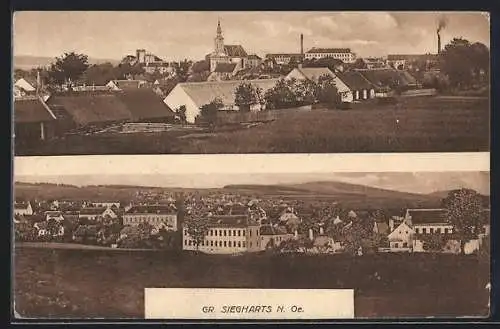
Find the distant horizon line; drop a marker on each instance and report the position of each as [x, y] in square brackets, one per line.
[246, 184]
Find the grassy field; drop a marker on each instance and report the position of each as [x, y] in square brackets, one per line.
[439, 124]
[57, 283]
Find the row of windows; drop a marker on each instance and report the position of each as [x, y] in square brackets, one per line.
[145, 219]
[229, 244]
[424, 230]
[226, 233]
[402, 245]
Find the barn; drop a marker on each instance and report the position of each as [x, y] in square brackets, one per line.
[33, 120]
[196, 94]
[145, 105]
[359, 87]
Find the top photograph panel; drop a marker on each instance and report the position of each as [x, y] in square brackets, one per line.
[250, 82]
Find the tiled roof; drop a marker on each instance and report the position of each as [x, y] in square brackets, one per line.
[253, 56]
[379, 77]
[87, 107]
[225, 67]
[426, 216]
[204, 92]
[92, 210]
[271, 230]
[230, 221]
[354, 80]
[150, 210]
[328, 50]
[144, 103]
[235, 51]
[395, 57]
[31, 110]
[313, 73]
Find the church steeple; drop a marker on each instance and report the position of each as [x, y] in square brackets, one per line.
[219, 40]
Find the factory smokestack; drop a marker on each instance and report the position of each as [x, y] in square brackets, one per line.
[442, 21]
[439, 42]
[301, 44]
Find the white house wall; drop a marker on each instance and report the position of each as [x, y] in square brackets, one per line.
[178, 97]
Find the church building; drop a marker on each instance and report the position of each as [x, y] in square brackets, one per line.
[226, 54]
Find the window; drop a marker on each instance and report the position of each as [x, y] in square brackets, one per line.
[215, 231]
[244, 232]
[243, 243]
[211, 243]
[229, 233]
[239, 232]
[250, 244]
[185, 242]
[250, 232]
[225, 243]
[211, 232]
[445, 231]
[431, 230]
[225, 232]
[239, 244]
[424, 230]
[396, 245]
[190, 242]
[220, 232]
[417, 230]
[405, 245]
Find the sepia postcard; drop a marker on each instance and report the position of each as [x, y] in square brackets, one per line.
[169, 82]
[114, 237]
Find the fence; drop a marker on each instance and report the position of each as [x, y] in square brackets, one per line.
[419, 92]
[233, 117]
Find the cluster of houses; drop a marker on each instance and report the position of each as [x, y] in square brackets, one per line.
[39, 115]
[239, 233]
[237, 225]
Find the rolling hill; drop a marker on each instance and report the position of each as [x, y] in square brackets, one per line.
[27, 62]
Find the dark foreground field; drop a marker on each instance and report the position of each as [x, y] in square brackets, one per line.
[413, 125]
[110, 284]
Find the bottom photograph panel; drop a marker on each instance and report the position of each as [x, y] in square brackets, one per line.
[252, 246]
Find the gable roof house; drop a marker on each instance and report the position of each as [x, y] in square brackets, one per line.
[196, 94]
[223, 71]
[384, 78]
[33, 119]
[313, 74]
[89, 108]
[359, 86]
[145, 105]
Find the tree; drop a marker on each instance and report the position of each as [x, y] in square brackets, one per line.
[209, 111]
[182, 69]
[282, 95]
[247, 95]
[463, 62]
[100, 74]
[68, 68]
[196, 224]
[433, 242]
[464, 207]
[359, 63]
[326, 91]
[180, 112]
[127, 70]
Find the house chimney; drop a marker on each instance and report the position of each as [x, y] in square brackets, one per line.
[311, 236]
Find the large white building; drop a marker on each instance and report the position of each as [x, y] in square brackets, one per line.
[343, 54]
[155, 215]
[227, 234]
[23, 209]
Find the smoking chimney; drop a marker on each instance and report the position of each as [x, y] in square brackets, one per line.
[301, 44]
[439, 41]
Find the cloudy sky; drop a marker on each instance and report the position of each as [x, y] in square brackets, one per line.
[178, 35]
[421, 182]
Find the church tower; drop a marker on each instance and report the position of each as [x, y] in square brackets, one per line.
[219, 40]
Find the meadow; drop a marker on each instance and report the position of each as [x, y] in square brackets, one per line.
[72, 283]
[418, 124]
